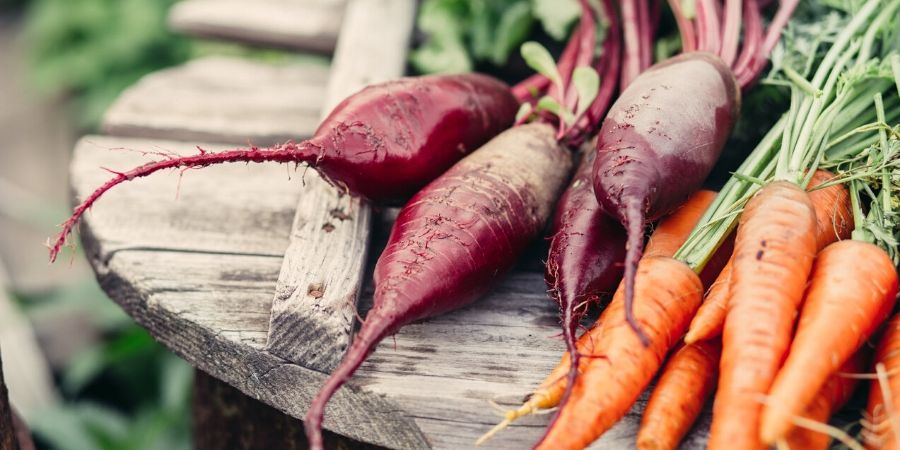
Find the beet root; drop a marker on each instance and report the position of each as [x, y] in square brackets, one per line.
[659, 142]
[383, 143]
[586, 253]
[455, 238]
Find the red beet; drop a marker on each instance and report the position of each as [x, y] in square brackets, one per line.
[586, 253]
[383, 143]
[658, 143]
[455, 238]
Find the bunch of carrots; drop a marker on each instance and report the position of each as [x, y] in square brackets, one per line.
[762, 295]
[811, 275]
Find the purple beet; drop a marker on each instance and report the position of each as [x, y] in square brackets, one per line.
[586, 254]
[383, 143]
[659, 142]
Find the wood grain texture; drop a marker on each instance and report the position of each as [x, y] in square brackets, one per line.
[199, 273]
[310, 25]
[226, 419]
[221, 99]
[314, 310]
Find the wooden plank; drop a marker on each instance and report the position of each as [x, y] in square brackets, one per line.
[226, 419]
[315, 303]
[310, 25]
[201, 278]
[220, 99]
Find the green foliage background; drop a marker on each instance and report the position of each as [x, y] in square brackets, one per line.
[462, 33]
[91, 50]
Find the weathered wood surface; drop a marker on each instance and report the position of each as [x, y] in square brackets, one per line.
[220, 422]
[310, 25]
[222, 99]
[199, 272]
[315, 302]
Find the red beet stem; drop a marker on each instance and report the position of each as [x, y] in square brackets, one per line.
[631, 61]
[773, 34]
[753, 35]
[584, 57]
[290, 152]
[646, 33]
[708, 27]
[608, 66]
[685, 27]
[566, 64]
[731, 31]
[584, 261]
[376, 327]
[531, 88]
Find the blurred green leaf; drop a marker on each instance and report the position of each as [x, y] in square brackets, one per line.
[547, 103]
[441, 57]
[462, 33]
[556, 16]
[63, 429]
[587, 84]
[444, 51]
[525, 110]
[93, 49]
[538, 58]
[133, 344]
[513, 28]
[176, 381]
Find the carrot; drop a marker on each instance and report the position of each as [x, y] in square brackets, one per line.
[834, 222]
[710, 318]
[852, 289]
[883, 416]
[383, 143]
[683, 388]
[831, 397]
[668, 293]
[671, 233]
[773, 254]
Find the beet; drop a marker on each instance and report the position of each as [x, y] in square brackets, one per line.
[455, 238]
[382, 143]
[659, 142]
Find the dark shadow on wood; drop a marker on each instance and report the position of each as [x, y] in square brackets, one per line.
[14, 435]
[226, 419]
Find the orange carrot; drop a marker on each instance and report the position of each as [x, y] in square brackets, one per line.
[667, 294]
[834, 221]
[833, 395]
[884, 417]
[853, 288]
[773, 254]
[670, 233]
[686, 382]
[710, 318]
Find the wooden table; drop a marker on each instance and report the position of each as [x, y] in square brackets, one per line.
[224, 268]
